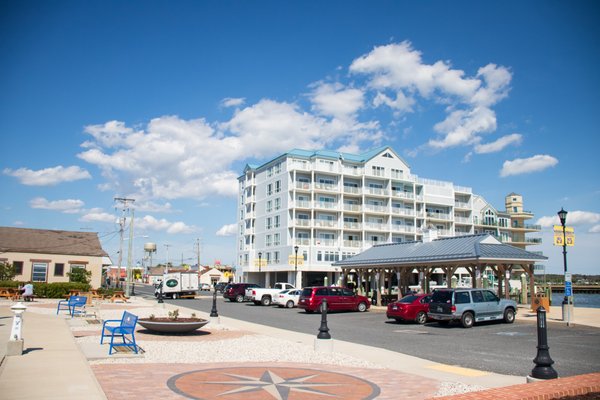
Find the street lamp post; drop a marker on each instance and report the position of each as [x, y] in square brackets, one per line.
[562, 215]
[296, 266]
[259, 260]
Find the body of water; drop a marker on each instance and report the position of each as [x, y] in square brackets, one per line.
[580, 300]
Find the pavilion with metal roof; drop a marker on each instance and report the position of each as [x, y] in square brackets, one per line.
[472, 252]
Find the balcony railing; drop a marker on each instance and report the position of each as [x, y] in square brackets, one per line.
[352, 190]
[462, 220]
[376, 191]
[352, 207]
[352, 225]
[302, 222]
[325, 223]
[403, 228]
[528, 226]
[302, 241]
[325, 242]
[374, 208]
[352, 243]
[403, 211]
[375, 226]
[403, 195]
[353, 171]
[443, 216]
[303, 185]
[326, 186]
[302, 204]
[461, 204]
[326, 205]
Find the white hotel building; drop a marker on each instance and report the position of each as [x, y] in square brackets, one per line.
[333, 205]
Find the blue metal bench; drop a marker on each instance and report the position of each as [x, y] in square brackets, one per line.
[125, 330]
[75, 305]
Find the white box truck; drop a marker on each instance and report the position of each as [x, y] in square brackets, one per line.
[178, 284]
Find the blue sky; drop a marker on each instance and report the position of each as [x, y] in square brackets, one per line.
[153, 100]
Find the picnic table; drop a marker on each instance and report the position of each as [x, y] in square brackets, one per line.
[10, 293]
[118, 295]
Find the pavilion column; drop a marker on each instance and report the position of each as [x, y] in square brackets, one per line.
[531, 283]
[378, 281]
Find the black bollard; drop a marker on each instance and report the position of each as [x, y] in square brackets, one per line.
[160, 294]
[133, 289]
[543, 363]
[213, 312]
[323, 329]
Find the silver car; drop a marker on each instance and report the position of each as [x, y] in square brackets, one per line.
[469, 306]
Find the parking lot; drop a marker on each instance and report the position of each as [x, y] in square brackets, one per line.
[492, 346]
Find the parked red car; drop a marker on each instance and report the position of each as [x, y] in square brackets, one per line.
[413, 307]
[338, 299]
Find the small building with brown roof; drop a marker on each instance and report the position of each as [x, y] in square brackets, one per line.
[42, 255]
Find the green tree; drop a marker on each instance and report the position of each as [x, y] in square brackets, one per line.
[80, 275]
[7, 272]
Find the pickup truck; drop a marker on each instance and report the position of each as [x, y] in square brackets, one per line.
[264, 296]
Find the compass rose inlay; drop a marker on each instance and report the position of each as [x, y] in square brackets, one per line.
[277, 383]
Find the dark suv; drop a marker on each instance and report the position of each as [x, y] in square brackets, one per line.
[220, 286]
[338, 299]
[237, 291]
[469, 306]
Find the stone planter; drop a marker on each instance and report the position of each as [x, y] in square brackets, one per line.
[167, 325]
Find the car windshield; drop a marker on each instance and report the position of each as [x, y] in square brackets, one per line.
[306, 292]
[441, 296]
[408, 299]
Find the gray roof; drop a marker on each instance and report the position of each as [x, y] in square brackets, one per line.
[43, 241]
[470, 248]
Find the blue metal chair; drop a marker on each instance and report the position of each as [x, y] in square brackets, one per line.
[125, 330]
[75, 305]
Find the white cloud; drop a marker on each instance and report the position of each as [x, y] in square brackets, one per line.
[98, 216]
[574, 218]
[48, 176]
[527, 165]
[595, 229]
[233, 102]
[227, 230]
[335, 100]
[400, 69]
[499, 144]
[69, 206]
[148, 222]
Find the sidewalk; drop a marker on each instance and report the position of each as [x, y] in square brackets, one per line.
[58, 362]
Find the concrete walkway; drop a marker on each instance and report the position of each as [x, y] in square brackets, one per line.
[54, 366]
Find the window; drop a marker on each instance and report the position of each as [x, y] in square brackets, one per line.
[268, 240]
[276, 239]
[477, 296]
[269, 223]
[59, 269]
[277, 186]
[269, 189]
[40, 272]
[269, 206]
[18, 267]
[277, 221]
[489, 296]
[378, 171]
[276, 257]
[277, 168]
[269, 172]
[462, 298]
[76, 266]
[387, 155]
[277, 203]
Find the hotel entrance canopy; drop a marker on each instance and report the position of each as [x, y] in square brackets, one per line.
[472, 252]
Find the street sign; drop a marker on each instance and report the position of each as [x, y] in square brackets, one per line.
[559, 236]
[292, 262]
[568, 276]
[568, 289]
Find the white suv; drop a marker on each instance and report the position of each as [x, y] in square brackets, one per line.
[469, 306]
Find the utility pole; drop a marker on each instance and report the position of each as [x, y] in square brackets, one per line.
[167, 263]
[124, 201]
[198, 252]
[129, 255]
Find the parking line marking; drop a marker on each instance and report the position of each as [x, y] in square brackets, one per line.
[458, 370]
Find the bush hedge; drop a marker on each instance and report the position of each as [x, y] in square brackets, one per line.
[56, 290]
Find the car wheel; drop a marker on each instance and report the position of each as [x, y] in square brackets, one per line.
[175, 296]
[266, 301]
[509, 316]
[239, 298]
[421, 318]
[362, 307]
[467, 320]
[290, 304]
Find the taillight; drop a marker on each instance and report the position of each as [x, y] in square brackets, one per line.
[253, 292]
[453, 309]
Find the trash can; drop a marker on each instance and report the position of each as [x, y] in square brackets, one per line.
[541, 300]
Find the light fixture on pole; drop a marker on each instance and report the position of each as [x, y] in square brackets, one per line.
[296, 266]
[562, 215]
[259, 260]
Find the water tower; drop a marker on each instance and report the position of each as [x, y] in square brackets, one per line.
[149, 248]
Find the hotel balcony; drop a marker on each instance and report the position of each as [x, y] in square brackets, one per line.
[440, 216]
[352, 226]
[303, 186]
[403, 211]
[403, 228]
[463, 220]
[352, 207]
[376, 191]
[322, 223]
[352, 190]
[370, 208]
[527, 227]
[460, 204]
[302, 242]
[326, 187]
[376, 226]
[302, 204]
[326, 242]
[403, 195]
[327, 205]
[353, 171]
[352, 243]
[302, 222]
